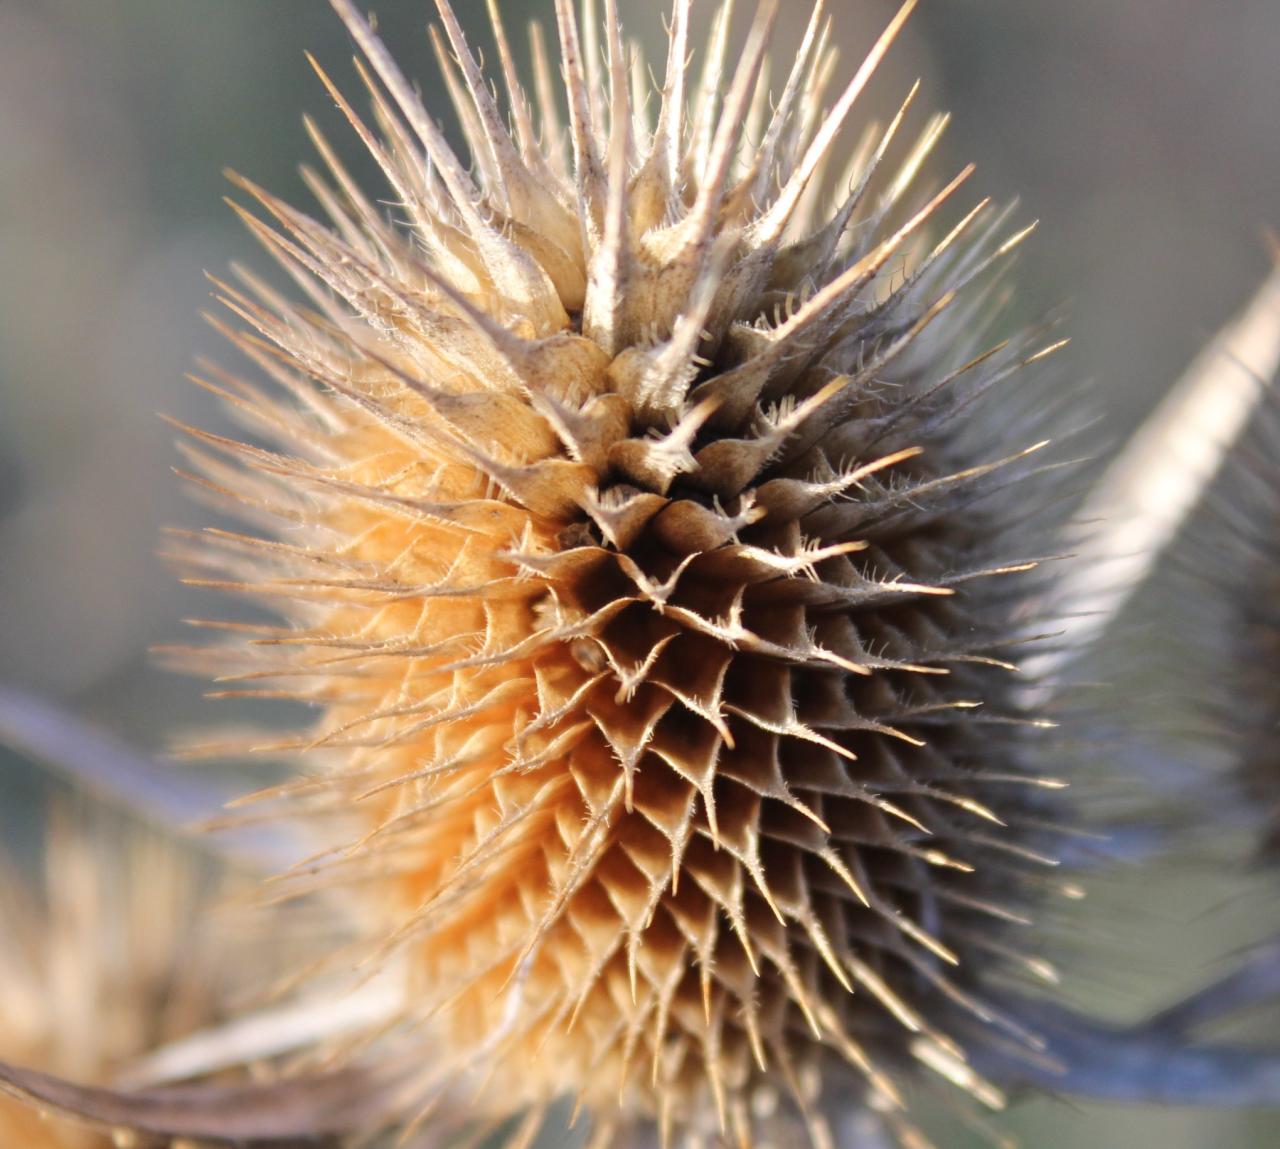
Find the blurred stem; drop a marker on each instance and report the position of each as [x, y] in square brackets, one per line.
[123, 776]
[313, 1112]
[1149, 1063]
[1255, 980]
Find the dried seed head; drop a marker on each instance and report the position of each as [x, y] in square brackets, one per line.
[623, 509]
[94, 965]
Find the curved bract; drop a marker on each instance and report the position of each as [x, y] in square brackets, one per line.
[617, 493]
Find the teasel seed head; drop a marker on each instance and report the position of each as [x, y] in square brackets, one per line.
[640, 549]
[97, 962]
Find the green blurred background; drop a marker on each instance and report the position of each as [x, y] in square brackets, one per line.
[1141, 132]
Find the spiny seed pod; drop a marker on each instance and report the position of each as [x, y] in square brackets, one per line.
[629, 513]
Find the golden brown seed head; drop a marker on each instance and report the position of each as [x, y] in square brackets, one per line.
[620, 501]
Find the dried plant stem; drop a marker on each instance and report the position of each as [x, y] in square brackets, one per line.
[1140, 1064]
[1253, 981]
[315, 1112]
[124, 776]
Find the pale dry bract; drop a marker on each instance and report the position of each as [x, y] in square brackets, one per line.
[620, 493]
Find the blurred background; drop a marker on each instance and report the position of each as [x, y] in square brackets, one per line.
[1142, 133]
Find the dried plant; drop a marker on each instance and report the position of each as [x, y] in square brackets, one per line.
[626, 499]
[101, 964]
[632, 544]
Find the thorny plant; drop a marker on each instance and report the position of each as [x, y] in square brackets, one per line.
[675, 639]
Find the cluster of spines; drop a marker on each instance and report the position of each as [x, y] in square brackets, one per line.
[627, 546]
